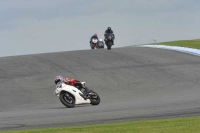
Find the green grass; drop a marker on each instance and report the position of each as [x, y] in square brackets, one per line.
[175, 125]
[183, 43]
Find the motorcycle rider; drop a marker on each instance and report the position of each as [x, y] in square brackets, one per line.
[109, 30]
[72, 82]
[94, 36]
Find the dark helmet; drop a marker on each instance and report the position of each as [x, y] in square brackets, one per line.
[109, 28]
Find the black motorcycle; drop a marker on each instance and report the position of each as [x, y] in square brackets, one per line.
[109, 40]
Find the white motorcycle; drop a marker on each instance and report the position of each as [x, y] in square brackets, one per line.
[94, 43]
[100, 43]
[71, 96]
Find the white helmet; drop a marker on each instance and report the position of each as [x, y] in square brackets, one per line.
[101, 40]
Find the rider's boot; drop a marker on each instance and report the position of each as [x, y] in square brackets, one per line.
[85, 95]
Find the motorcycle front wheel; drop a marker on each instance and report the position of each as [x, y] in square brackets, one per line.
[67, 99]
[92, 46]
[109, 45]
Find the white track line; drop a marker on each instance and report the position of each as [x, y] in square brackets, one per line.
[176, 48]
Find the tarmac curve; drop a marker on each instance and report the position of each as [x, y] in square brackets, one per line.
[134, 83]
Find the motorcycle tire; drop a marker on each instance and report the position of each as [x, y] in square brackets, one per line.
[67, 99]
[95, 100]
[109, 45]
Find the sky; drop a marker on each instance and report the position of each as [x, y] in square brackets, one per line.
[43, 26]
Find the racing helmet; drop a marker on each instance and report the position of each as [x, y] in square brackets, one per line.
[109, 28]
[58, 78]
[95, 34]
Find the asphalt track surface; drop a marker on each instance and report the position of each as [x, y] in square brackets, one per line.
[134, 83]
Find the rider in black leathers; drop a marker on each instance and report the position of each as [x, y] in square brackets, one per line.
[109, 30]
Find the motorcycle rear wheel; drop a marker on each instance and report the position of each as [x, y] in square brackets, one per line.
[95, 100]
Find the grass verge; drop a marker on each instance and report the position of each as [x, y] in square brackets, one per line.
[183, 43]
[175, 125]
